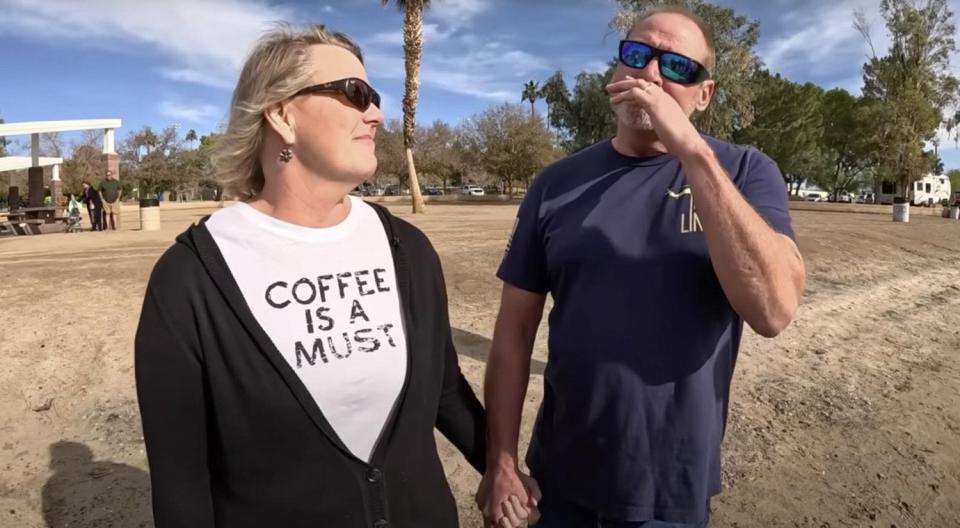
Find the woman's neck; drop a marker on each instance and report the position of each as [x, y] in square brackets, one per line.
[305, 201]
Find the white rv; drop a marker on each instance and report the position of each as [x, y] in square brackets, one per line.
[930, 190]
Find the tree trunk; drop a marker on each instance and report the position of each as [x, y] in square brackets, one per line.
[412, 51]
[417, 198]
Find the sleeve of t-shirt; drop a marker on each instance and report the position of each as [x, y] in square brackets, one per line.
[524, 263]
[765, 190]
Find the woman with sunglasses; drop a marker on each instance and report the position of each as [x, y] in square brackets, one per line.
[294, 352]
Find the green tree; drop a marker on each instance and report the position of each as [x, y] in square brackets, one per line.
[845, 145]
[3, 142]
[439, 152]
[85, 163]
[391, 154]
[157, 170]
[190, 137]
[554, 92]
[954, 175]
[531, 92]
[412, 52]
[208, 188]
[788, 126]
[508, 144]
[587, 117]
[909, 90]
[735, 37]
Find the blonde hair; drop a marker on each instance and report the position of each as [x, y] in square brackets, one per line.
[276, 69]
[705, 28]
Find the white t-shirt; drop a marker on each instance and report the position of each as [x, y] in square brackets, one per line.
[328, 299]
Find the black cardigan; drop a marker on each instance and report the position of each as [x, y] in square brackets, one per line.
[233, 437]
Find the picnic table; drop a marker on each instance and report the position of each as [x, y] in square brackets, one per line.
[27, 220]
[32, 213]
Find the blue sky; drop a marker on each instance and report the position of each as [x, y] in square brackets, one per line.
[157, 63]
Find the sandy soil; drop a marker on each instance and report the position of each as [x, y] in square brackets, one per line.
[850, 418]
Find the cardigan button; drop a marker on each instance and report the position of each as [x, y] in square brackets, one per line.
[381, 523]
[374, 475]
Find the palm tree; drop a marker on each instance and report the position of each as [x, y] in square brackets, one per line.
[412, 51]
[554, 92]
[191, 136]
[530, 93]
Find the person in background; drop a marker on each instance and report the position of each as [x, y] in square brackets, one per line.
[111, 195]
[91, 198]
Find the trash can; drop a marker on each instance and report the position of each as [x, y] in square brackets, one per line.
[955, 212]
[901, 210]
[149, 214]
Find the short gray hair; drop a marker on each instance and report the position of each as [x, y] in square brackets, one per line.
[276, 69]
[705, 28]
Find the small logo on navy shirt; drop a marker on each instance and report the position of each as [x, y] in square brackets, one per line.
[689, 221]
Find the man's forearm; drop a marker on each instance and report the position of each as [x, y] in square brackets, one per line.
[505, 387]
[761, 271]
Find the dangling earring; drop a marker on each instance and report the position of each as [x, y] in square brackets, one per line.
[286, 154]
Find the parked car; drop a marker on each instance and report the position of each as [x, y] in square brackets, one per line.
[432, 191]
[472, 190]
[395, 190]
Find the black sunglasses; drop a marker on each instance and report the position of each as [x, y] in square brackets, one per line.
[673, 66]
[357, 91]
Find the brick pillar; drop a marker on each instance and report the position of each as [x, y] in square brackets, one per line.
[35, 187]
[56, 196]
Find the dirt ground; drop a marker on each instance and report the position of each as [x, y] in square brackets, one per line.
[850, 418]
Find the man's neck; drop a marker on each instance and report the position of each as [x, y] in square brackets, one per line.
[637, 144]
[303, 199]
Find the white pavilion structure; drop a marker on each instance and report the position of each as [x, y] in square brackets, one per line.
[34, 164]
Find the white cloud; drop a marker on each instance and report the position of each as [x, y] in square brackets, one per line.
[327, 9]
[486, 67]
[818, 40]
[392, 38]
[431, 33]
[205, 40]
[948, 141]
[196, 77]
[457, 13]
[494, 71]
[597, 66]
[202, 113]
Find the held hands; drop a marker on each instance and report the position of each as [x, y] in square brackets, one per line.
[670, 122]
[508, 498]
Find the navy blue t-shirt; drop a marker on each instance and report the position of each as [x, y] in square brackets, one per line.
[642, 338]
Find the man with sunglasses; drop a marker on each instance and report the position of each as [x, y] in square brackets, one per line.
[656, 246]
